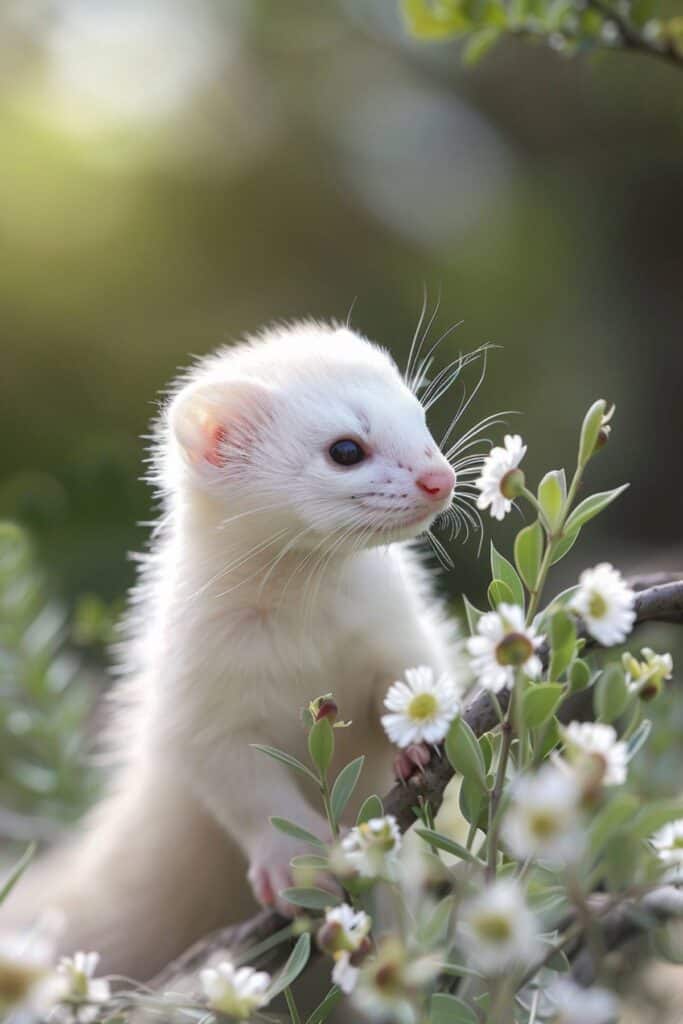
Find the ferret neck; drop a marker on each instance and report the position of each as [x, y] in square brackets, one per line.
[242, 559]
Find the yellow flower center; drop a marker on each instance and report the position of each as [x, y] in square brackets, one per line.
[494, 928]
[543, 824]
[597, 606]
[423, 706]
[15, 982]
[514, 649]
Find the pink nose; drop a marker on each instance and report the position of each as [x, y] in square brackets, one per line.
[437, 483]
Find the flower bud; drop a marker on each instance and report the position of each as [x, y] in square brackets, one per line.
[512, 484]
[330, 937]
[360, 954]
[327, 709]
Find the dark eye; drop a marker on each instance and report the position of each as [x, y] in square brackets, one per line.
[346, 452]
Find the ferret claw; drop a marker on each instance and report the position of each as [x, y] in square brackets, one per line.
[411, 761]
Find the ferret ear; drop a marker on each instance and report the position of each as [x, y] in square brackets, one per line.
[219, 422]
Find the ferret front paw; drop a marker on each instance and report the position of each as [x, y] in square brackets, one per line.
[270, 873]
[411, 761]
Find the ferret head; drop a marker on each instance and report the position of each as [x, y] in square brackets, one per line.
[311, 430]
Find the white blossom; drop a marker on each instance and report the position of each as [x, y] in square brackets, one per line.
[542, 819]
[390, 983]
[234, 991]
[595, 752]
[495, 476]
[577, 1005]
[344, 935]
[645, 677]
[503, 644]
[421, 708]
[497, 928]
[76, 982]
[370, 849]
[26, 973]
[668, 844]
[606, 604]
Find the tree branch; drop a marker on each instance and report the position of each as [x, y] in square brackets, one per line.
[659, 598]
[626, 922]
[632, 38]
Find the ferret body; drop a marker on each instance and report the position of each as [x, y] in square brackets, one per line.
[279, 571]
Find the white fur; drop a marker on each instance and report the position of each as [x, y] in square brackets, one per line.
[257, 596]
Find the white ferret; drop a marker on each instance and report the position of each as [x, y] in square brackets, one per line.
[292, 467]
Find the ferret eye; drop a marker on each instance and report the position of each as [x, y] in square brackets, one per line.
[346, 452]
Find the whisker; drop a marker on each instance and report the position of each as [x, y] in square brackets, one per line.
[411, 352]
[415, 380]
[440, 551]
[464, 406]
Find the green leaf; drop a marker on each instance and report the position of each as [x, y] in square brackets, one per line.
[371, 808]
[291, 829]
[499, 593]
[441, 842]
[472, 614]
[562, 635]
[529, 552]
[540, 702]
[311, 898]
[547, 738]
[435, 929]
[17, 871]
[611, 693]
[473, 803]
[590, 428]
[464, 753]
[639, 737]
[621, 857]
[324, 1009]
[310, 860]
[619, 810]
[591, 506]
[344, 785]
[562, 546]
[479, 44]
[283, 758]
[321, 745]
[443, 20]
[503, 570]
[654, 815]
[298, 959]
[552, 494]
[486, 750]
[447, 1009]
[579, 675]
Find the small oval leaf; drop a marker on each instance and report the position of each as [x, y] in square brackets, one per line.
[540, 702]
[611, 693]
[464, 753]
[503, 570]
[321, 745]
[529, 552]
[371, 808]
[344, 785]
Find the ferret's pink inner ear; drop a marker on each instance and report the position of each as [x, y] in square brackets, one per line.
[211, 421]
[214, 451]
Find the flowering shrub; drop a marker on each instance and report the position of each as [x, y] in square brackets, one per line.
[426, 928]
[570, 28]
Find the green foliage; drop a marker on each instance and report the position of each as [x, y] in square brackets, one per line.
[569, 27]
[465, 754]
[46, 701]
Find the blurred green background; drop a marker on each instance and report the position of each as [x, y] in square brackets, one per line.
[176, 174]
